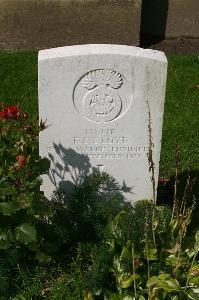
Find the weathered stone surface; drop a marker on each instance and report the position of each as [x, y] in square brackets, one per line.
[41, 24]
[96, 100]
[183, 19]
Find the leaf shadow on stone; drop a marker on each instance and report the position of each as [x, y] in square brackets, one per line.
[67, 161]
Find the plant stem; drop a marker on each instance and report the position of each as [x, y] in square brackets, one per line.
[150, 154]
[152, 170]
[193, 260]
[134, 282]
[147, 250]
[176, 181]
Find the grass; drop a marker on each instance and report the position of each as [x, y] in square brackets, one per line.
[18, 84]
[18, 80]
[181, 114]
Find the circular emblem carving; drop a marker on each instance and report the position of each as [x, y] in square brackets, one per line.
[97, 96]
[102, 104]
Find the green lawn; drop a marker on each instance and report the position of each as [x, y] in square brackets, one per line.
[181, 114]
[18, 84]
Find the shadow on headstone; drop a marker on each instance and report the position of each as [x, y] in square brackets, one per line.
[153, 22]
[78, 167]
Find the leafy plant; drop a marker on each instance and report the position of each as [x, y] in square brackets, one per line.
[44, 231]
[159, 263]
[169, 271]
[148, 254]
[23, 207]
[90, 244]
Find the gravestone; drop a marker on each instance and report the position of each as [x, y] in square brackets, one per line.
[96, 100]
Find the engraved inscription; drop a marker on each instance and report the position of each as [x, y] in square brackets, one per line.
[102, 103]
[102, 77]
[107, 144]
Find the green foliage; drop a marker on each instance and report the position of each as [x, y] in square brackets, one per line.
[45, 232]
[26, 233]
[93, 245]
[53, 280]
[116, 259]
[129, 267]
[90, 208]
[20, 168]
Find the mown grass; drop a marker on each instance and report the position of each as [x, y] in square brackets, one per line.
[18, 80]
[18, 84]
[181, 114]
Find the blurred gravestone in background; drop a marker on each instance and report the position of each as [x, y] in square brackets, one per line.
[183, 19]
[168, 19]
[51, 23]
[153, 21]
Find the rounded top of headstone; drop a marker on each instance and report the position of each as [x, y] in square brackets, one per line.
[90, 49]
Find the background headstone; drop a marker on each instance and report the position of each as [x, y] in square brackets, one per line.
[41, 24]
[96, 100]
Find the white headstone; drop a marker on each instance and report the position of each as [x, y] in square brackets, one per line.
[96, 100]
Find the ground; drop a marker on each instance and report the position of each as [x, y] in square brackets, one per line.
[176, 46]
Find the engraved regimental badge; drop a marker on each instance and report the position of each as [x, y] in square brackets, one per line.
[102, 95]
[102, 103]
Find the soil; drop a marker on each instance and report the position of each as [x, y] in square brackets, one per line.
[174, 46]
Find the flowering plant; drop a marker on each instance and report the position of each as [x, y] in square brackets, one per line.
[20, 170]
[10, 112]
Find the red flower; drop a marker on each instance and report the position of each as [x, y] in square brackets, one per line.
[21, 161]
[11, 112]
